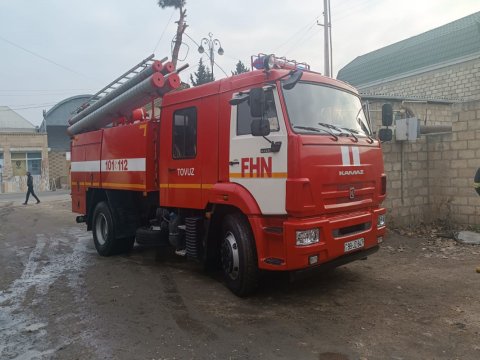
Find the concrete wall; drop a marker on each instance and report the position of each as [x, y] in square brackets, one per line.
[23, 142]
[459, 81]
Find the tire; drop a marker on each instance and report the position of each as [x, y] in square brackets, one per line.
[146, 236]
[238, 255]
[103, 230]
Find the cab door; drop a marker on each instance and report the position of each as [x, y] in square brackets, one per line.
[181, 183]
[253, 163]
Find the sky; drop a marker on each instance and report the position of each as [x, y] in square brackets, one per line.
[53, 49]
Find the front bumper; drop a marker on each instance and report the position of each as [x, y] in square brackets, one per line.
[277, 249]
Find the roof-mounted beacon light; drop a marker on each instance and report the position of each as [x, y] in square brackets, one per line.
[262, 61]
[268, 62]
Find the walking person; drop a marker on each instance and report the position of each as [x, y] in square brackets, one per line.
[30, 188]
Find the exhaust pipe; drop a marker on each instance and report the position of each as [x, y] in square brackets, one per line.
[80, 219]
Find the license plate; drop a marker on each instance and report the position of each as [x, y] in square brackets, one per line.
[354, 244]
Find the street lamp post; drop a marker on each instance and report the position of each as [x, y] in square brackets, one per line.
[211, 44]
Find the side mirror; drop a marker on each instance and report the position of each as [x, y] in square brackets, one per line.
[239, 99]
[387, 115]
[385, 135]
[260, 127]
[257, 102]
[292, 80]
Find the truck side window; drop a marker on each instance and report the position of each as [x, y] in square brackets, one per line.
[184, 133]
[244, 119]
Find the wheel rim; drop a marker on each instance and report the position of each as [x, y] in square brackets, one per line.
[101, 229]
[230, 256]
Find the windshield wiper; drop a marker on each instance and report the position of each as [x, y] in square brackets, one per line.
[311, 128]
[330, 126]
[352, 132]
[341, 130]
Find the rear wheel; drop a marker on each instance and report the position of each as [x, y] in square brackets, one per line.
[238, 255]
[104, 237]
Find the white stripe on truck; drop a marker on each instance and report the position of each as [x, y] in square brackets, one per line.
[110, 165]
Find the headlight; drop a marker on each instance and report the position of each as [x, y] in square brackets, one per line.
[307, 237]
[381, 221]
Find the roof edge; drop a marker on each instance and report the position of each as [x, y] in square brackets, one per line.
[64, 101]
[398, 97]
[419, 71]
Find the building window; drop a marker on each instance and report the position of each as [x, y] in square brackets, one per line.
[1, 163]
[184, 134]
[244, 119]
[26, 161]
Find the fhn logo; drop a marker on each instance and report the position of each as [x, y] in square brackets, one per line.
[256, 167]
[350, 156]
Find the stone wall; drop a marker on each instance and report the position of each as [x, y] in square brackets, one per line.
[453, 160]
[59, 168]
[406, 166]
[432, 178]
[459, 81]
[428, 113]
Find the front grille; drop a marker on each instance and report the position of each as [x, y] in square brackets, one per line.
[337, 196]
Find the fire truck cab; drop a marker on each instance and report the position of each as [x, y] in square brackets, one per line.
[274, 169]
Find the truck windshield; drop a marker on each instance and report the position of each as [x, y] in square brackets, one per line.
[313, 106]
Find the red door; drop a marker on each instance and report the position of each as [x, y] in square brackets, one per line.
[181, 158]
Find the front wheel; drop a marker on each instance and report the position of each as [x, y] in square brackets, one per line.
[104, 236]
[238, 255]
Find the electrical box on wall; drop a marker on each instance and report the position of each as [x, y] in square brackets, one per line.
[406, 129]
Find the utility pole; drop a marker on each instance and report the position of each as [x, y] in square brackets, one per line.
[327, 36]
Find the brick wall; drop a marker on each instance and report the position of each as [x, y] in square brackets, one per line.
[459, 81]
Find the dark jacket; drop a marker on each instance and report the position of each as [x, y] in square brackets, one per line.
[30, 181]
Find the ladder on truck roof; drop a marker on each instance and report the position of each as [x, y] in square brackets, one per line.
[144, 64]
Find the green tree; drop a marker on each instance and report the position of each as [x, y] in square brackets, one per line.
[202, 76]
[240, 68]
[181, 24]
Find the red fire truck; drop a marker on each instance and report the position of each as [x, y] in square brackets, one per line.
[274, 169]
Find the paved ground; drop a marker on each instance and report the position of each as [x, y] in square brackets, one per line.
[418, 298]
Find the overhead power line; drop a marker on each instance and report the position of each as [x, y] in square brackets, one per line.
[297, 33]
[42, 57]
[33, 106]
[302, 40]
[163, 32]
[354, 9]
[41, 90]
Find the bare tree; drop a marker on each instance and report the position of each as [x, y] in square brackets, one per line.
[181, 25]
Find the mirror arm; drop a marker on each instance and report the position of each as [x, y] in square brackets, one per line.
[274, 145]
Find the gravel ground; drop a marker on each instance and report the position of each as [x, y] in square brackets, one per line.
[417, 298]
